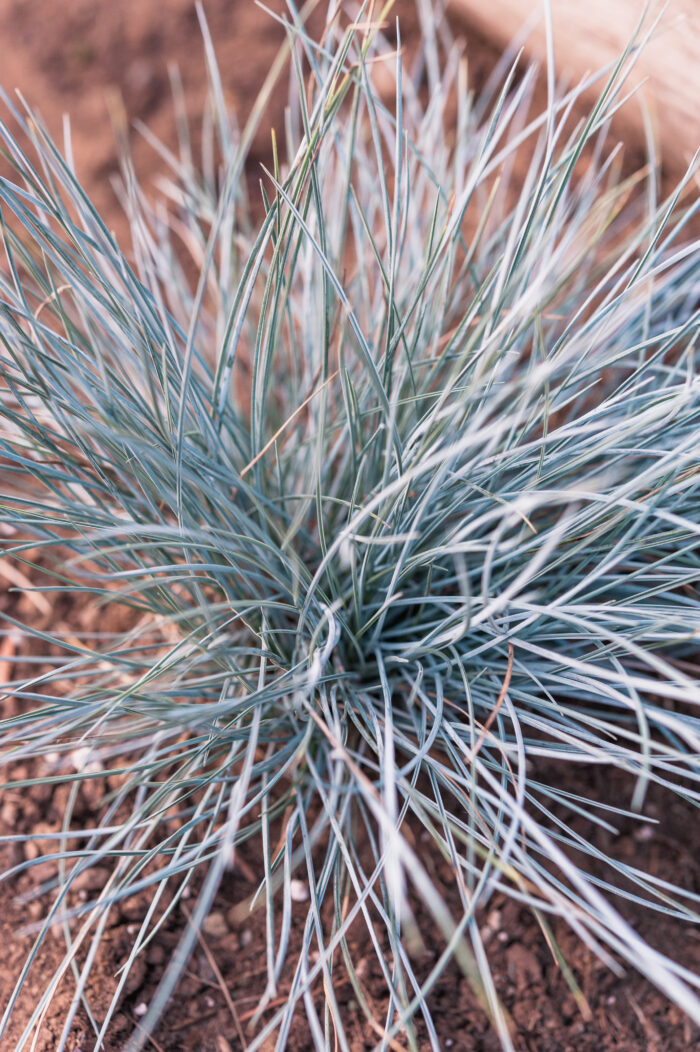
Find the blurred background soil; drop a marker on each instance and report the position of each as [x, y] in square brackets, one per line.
[88, 58]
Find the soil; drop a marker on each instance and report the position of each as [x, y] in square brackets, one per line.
[96, 59]
[79, 57]
[617, 1012]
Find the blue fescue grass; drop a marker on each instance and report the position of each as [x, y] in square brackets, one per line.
[400, 475]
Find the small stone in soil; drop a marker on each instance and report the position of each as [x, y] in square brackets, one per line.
[522, 966]
[644, 833]
[93, 879]
[134, 908]
[141, 1009]
[136, 976]
[204, 968]
[299, 890]
[246, 937]
[215, 925]
[8, 814]
[155, 954]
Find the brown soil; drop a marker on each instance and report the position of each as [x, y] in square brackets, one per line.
[621, 1012]
[77, 56]
[90, 58]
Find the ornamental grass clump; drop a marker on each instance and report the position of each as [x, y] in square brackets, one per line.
[394, 458]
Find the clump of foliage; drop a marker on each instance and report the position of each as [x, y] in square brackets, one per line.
[399, 473]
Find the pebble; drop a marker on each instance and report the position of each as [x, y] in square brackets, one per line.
[644, 833]
[522, 966]
[204, 968]
[299, 890]
[134, 908]
[215, 925]
[246, 937]
[8, 814]
[141, 1008]
[189, 987]
[92, 879]
[136, 976]
[493, 926]
[83, 760]
[155, 954]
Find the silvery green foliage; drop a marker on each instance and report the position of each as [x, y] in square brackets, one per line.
[399, 473]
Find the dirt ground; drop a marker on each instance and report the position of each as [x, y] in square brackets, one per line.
[79, 56]
[84, 57]
[621, 1013]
